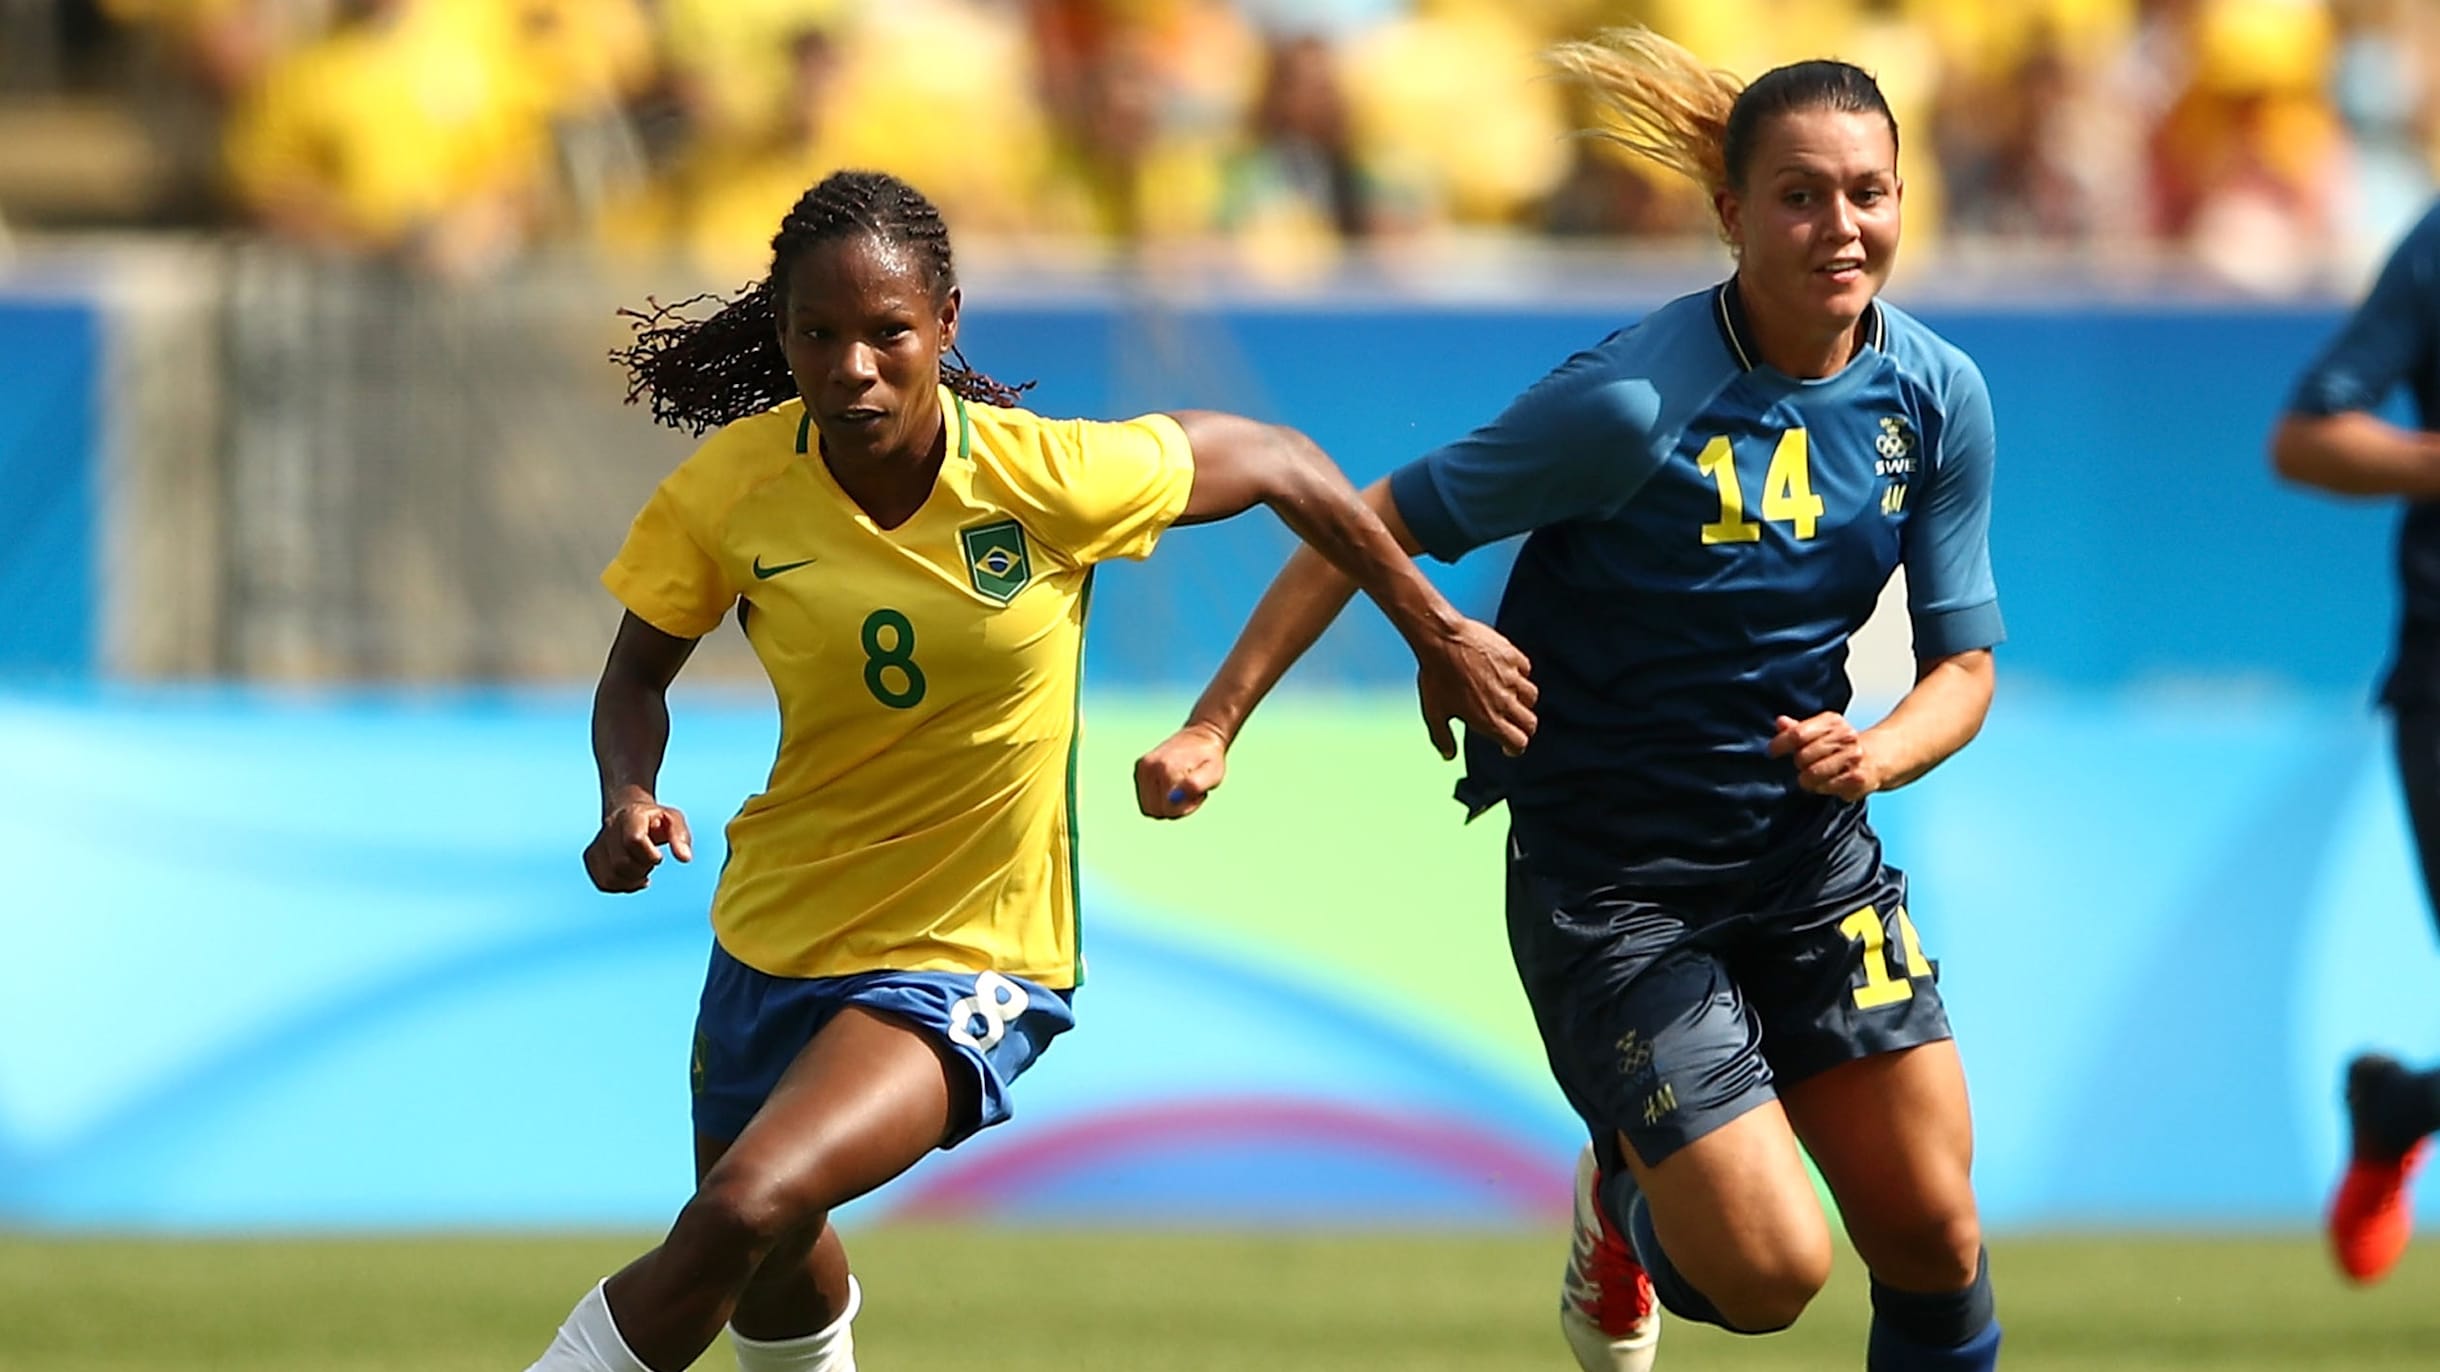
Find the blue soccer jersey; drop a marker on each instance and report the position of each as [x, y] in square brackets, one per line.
[2393, 339]
[1706, 533]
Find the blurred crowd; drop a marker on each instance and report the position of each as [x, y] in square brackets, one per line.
[2269, 138]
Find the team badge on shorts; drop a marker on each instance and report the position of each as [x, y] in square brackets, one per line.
[997, 561]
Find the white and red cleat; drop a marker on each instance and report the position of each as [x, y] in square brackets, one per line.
[1606, 1307]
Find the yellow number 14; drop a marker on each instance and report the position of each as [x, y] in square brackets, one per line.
[1880, 987]
[1787, 490]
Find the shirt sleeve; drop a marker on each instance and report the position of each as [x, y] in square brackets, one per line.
[1950, 594]
[1109, 489]
[665, 574]
[2387, 337]
[1575, 445]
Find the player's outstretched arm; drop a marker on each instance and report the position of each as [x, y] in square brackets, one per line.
[1307, 596]
[2358, 454]
[630, 734]
[1467, 671]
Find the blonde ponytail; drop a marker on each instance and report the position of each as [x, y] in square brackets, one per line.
[1657, 100]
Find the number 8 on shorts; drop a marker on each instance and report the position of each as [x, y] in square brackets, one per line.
[981, 1020]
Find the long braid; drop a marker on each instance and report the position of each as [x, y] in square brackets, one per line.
[698, 374]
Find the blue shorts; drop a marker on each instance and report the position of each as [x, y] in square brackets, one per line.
[1667, 1012]
[752, 1025]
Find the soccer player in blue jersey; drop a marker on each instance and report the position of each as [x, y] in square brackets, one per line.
[2330, 439]
[1721, 965]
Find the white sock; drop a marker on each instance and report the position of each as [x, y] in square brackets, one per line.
[589, 1341]
[830, 1349]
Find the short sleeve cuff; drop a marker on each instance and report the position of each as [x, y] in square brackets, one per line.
[1110, 489]
[1416, 492]
[2322, 396]
[646, 601]
[1941, 633]
[1176, 482]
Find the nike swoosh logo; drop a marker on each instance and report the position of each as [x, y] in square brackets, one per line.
[763, 573]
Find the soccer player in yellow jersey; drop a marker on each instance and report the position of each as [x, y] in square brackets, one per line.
[911, 557]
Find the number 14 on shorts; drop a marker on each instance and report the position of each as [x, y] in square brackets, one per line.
[1881, 985]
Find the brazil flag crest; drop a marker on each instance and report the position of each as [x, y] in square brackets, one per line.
[997, 560]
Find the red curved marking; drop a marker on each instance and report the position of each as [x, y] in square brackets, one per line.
[1439, 1143]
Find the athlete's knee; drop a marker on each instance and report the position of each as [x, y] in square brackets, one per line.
[1950, 1249]
[1766, 1292]
[1765, 1303]
[749, 1211]
[1758, 1253]
[1939, 1250]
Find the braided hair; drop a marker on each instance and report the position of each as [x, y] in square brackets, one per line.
[701, 373]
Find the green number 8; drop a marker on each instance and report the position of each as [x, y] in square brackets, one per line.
[900, 653]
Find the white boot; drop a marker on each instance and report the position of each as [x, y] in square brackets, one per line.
[1606, 1306]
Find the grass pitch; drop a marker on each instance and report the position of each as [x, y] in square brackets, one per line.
[1033, 1301]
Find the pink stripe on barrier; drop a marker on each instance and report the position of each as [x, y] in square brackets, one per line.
[1530, 1182]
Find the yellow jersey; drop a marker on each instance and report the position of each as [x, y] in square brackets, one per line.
[920, 815]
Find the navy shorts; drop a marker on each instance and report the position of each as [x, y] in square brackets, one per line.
[1669, 1011]
[752, 1025]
